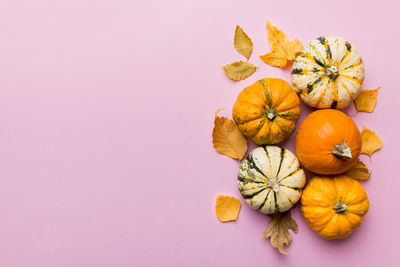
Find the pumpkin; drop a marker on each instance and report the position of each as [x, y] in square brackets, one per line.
[267, 111]
[270, 179]
[334, 206]
[328, 73]
[328, 142]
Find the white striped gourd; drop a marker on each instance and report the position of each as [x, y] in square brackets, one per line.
[271, 179]
[328, 73]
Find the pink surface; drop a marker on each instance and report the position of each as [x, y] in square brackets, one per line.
[106, 114]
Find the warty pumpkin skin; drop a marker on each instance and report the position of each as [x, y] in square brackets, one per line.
[267, 111]
[328, 142]
[270, 179]
[328, 73]
[334, 206]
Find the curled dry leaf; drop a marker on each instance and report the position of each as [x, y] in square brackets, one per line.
[371, 142]
[366, 100]
[358, 171]
[278, 230]
[282, 49]
[227, 208]
[239, 70]
[227, 138]
[243, 43]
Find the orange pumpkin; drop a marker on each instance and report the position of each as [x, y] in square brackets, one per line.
[267, 111]
[334, 206]
[328, 142]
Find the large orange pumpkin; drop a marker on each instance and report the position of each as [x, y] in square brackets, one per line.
[328, 142]
[267, 111]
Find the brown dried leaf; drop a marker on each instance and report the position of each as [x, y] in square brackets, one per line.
[358, 171]
[243, 43]
[239, 70]
[227, 208]
[370, 141]
[278, 230]
[227, 138]
[282, 49]
[366, 100]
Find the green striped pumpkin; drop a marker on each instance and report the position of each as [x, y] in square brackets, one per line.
[271, 179]
[328, 73]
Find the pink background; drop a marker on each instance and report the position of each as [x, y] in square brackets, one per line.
[106, 114]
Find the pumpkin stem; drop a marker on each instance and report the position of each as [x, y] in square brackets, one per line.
[271, 114]
[273, 183]
[340, 207]
[342, 151]
[332, 72]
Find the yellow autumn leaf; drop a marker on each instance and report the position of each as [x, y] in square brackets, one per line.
[243, 43]
[239, 70]
[227, 208]
[282, 49]
[276, 59]
[227, 138]
[366, 100]
[278, 230]
[370, 141]
[358, 171]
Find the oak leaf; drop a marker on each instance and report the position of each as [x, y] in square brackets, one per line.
[243, 43]
[358, 171]
[227, 138]
[278, 230]
[227, 208]
[366, 100]
[370, 141]
[239, 70]
[283, 50]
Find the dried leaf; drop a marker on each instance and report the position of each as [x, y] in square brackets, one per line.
[243, 43]
[282, 49]
[276, 59]
[227, 208]
[358, 171]
[227, 138]
[366, 100]
[239, 70]
[278, 230]
[370, 141]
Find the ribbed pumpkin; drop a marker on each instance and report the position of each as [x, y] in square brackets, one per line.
[328, 142]
[328, 73]
[334, 206]
[270, 179]
[267, 111]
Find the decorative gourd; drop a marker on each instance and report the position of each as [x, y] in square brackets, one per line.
[334, 206]
[328, 142]
[267, 111]
[270, 179]
[328, 73]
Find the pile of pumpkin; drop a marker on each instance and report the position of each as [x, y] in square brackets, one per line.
[327, 74]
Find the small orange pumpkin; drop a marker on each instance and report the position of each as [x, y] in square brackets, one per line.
[267, 111]
[328, 142]
[334, 206]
